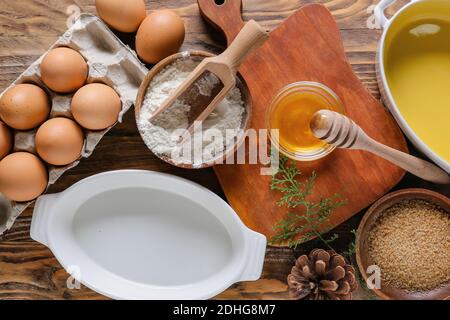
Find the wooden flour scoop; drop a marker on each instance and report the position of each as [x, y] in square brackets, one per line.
[340, 131]
[214, 77]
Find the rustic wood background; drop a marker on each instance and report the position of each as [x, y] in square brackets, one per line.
[28, 27]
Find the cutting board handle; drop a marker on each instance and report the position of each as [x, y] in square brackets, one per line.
[224, 15]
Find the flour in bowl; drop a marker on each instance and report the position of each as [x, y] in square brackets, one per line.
[217, 133]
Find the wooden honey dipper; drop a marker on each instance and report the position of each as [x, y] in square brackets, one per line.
[342, 132]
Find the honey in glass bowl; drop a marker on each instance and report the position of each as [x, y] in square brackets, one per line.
[291, 112]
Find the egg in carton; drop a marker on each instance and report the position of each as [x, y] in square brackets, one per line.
[110, 62]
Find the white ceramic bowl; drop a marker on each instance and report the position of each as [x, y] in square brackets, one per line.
[382, 81]
[146, 235]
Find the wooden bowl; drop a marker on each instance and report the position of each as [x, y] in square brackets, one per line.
[197, 55]
[369, 219]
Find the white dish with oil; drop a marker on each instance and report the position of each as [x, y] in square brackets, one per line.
[413, 70]
[146, 235]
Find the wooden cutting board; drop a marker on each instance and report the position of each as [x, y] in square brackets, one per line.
[306, 47]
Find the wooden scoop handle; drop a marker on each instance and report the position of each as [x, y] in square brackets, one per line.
[250, 38]
[339, 130]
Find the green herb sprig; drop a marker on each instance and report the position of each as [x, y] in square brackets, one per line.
[314, 215]
[313, 220]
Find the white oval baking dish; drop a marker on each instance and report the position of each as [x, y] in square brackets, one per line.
[145, 235]
[381, 76]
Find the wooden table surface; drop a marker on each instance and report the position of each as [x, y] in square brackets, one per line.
[28, 27]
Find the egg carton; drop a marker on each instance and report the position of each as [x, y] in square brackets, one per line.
[111, 62]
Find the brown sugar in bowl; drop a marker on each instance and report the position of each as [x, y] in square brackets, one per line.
[370, 218]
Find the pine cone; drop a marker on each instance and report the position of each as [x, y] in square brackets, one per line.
[324, 275]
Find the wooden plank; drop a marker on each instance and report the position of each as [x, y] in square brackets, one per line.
[28, 27]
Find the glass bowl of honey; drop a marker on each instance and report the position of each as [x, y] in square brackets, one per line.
[289, 116]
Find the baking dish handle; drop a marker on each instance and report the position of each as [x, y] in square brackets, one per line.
[254, 257]
[38, 230]
[379, 11]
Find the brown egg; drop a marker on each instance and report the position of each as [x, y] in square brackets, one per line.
[124, 16]
[23, 176]
[96, 106]
[6, 140]
[24, 106]
[59, 141]
[64, 70]
[160, 35]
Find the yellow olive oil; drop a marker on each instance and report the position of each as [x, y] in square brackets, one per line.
[417, 65]
[292, 116]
